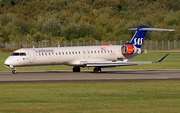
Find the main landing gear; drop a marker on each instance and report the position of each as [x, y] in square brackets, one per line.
[76, 69]
[95, 70]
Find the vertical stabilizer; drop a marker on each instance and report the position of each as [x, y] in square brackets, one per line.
[138, 38]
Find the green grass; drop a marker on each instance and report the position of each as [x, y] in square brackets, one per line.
[171, 62]
[98, 97]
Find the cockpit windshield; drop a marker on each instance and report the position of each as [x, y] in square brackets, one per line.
[22, 54]
[18, 54]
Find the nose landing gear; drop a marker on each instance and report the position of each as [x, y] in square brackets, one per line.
[14, 71]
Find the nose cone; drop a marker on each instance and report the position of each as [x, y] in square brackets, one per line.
[7, 62]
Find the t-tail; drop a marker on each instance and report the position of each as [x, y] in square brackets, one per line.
[134, 46]
[138, 38]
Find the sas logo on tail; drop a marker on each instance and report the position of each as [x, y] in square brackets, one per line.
[138, 41]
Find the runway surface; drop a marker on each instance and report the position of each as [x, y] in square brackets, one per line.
[30, 76]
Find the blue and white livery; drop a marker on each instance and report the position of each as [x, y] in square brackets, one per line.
[83, 56]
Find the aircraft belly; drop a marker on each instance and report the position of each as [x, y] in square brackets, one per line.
[83, 61]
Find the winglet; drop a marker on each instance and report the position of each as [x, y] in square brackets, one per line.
[160, 60]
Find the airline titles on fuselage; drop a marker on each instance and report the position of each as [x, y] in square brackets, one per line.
[43, 50]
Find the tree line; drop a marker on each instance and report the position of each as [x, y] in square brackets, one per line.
[86, 20]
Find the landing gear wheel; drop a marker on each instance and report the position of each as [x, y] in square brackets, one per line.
[97, 70]
[14, 72]
[76, 69]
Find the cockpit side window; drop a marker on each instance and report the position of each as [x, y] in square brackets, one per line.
[22, 54]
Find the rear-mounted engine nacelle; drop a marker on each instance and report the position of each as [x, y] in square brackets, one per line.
[128, 49]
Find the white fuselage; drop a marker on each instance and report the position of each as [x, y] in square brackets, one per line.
[74, 56]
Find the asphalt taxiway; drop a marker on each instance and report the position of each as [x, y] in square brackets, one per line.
[65, 75]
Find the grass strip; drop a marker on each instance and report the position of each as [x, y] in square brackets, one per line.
[162, 96]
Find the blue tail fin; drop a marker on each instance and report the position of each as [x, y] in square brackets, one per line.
[138, 38]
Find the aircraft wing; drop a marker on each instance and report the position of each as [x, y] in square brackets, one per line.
[119, 63]
[112, 63]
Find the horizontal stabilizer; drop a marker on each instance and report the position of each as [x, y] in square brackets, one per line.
[152, 29]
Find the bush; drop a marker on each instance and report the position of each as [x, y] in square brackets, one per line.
[7, 49]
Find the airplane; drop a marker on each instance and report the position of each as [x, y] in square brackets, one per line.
[84, 56]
